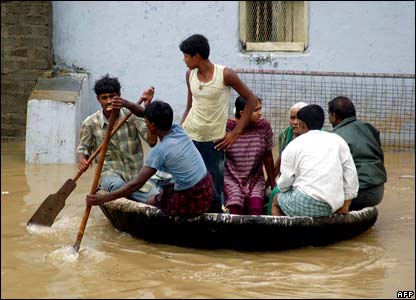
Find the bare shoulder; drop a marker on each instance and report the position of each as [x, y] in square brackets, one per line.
[229, 72]
[230, 76]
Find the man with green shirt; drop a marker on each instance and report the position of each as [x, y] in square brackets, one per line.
[124, 156]
[365, 146]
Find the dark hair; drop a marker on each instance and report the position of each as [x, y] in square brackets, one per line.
[240, 103]
[195, 44]
[160, 113]
[342, 107]
[107, 85]
[313, 115]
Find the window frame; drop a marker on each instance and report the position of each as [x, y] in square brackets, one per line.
[300, 31]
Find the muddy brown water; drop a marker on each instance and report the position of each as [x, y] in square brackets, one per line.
[36, 262]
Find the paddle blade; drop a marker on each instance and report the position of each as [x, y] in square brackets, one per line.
[52, 205]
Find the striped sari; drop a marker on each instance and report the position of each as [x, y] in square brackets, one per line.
[243, 175]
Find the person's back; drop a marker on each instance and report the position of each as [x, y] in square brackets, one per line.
[319, 157]
[191, 192]
[364, 142]
[178, 156]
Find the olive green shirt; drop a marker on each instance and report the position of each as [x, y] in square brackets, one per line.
[365, 146]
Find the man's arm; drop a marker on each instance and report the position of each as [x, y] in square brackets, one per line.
[85, 146]
[138, 110]
[350, 176]
[345, 208]
[135, 108]
[127, 189]
[285, 180]
[146, 98]
[231, 79]
[278, 161]
[189, 99]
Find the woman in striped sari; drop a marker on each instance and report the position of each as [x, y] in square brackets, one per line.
[244, 182]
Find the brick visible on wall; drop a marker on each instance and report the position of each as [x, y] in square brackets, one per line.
[26, 53]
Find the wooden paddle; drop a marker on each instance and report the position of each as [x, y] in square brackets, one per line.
[54, 203]
[113, 117]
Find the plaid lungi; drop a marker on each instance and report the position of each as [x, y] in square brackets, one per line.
[296, 203]
[190, 202]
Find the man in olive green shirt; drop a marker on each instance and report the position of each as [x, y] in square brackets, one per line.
[124, 156]
[365, 146]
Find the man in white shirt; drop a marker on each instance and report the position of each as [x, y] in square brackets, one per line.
[318, 176]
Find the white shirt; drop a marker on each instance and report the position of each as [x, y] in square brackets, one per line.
[319, 164]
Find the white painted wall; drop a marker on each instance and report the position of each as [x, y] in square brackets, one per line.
[138, 41]
[52, 125]
[49, 137]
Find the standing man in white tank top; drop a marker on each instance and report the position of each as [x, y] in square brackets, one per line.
[206, 113]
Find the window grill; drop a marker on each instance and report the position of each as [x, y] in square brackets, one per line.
[273, 25]
[268, 21]
[387, 101]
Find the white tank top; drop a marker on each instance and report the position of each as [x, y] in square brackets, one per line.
[208, 115]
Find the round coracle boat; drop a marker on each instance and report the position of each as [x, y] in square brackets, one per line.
[240, 232]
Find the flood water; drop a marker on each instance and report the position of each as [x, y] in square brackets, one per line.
[36, 262]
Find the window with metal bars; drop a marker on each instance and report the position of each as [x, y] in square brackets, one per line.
[274, 25]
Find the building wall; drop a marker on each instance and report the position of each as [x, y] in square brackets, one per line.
[26, 52]
[138, 41]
